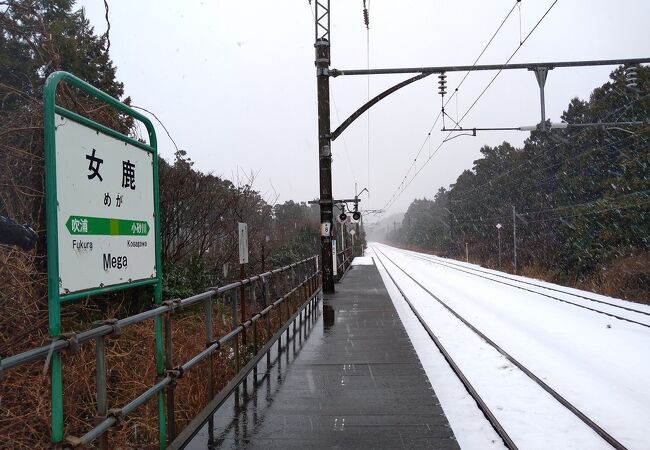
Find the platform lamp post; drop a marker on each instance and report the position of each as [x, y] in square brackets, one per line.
[499, 239]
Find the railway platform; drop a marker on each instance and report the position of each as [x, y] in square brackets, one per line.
[348, 377]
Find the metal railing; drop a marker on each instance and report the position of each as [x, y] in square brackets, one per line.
[293, 286]
[343, 260]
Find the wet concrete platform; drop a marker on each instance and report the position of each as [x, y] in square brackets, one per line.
[348, 379]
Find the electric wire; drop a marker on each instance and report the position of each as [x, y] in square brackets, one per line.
[557, 174]
[399, 192]
[508, 61]
[440, 114]
[528, 161]
[161, 124]
[481, 220]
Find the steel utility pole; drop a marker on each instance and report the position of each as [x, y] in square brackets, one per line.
[499, 237]
[514, 234]
[322, 45]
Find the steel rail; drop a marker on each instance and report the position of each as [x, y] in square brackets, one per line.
[489, 415]
[437, 259]
[534, 291]
[590, 423]
[105, 330]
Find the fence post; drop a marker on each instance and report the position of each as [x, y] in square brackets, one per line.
[169, 365]
[234, 299]
[100, 384]
[266, 294]
[208, 342]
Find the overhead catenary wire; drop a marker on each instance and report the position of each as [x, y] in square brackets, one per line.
[589, 150]
[440, 114]
[508, 60]
[489, 182]
[555, 147]
[594, 203]
[400, 191]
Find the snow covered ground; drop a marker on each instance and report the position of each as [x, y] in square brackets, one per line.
[362, 261]
[597, 362]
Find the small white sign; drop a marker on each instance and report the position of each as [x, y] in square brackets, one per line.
[325, 229]
[243, 243]
[105, 215]
[334, 256]
[353, 232]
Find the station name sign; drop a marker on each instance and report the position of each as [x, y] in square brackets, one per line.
[105, 213]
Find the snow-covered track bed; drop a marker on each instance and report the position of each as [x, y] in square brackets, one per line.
[519, 399]
[633, 314]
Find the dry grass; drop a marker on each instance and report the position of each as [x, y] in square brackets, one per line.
[627, 278]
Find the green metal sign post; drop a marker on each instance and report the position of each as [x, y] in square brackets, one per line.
[103, 219]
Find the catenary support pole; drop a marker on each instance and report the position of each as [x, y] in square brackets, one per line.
[325, 161]
[242, 300]
[540, 75]
[499, 237]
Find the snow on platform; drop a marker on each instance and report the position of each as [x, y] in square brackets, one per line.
[363, 261]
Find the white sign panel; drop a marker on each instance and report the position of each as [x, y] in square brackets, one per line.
[353, 232]
[105, 214]
[334, 256]
[243, 243]
[325, 228]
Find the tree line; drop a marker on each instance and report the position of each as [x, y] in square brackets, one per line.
[198, 227]
[199, 211]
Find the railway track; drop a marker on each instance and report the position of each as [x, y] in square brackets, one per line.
[484, 408]
[516, 283]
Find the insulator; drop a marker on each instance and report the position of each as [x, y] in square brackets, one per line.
[442, 82]
[366, 17]
[631, 78]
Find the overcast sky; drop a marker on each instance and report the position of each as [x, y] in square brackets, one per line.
[235, 84]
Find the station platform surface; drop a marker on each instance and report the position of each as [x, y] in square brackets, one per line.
[349, 378]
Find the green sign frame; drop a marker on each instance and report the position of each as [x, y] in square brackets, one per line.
[55, 299]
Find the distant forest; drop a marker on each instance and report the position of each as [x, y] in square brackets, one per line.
[579, 197]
